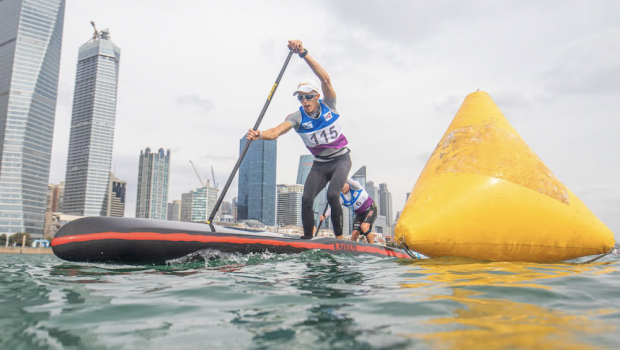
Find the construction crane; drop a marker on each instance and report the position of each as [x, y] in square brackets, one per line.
[213, 174]
[96, 35]
[197, 174]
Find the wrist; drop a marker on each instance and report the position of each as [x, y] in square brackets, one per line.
[260, 135]
[303, 54]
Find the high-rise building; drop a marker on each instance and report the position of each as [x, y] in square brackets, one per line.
[226, 208]
[373, 191]
[360, 176]
[385, 198]
[153, 179]
[226, 212]
[305, 164]
[92, 127]
[55, 195]
[116, 197]
[186, 206]
[30, 42]
[289, 204]
[380, 227]
[54, 206]
[257, 182]
[196, 206]
[174, 210]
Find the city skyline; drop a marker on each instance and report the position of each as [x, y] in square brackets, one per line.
[541, 79]
[30, 50]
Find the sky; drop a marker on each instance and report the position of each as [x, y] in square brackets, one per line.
[194, 76]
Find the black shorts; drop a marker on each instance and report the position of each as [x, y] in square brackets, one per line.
[369, 216]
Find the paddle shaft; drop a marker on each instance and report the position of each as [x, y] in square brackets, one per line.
[247, 144]
[321, 221]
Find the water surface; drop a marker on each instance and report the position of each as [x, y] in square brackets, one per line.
[311, 300]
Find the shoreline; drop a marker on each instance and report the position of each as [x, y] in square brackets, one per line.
[26, 250]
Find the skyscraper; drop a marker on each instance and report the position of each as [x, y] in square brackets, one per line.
[257, 182]
[53, 206]
[373, 191]
[54, 197]
[153, 179]
[198, 204]
[186, 206]
[30, 41]
[116, 197]
[305, 164]
[385, 208]
[234, 208]
[174, 211]
[289, 204]
[360, 176]
[227, 208]
[92, 127]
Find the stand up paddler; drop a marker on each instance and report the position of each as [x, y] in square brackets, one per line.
[317, 122]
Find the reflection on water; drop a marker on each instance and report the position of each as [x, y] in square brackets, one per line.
[484, 320]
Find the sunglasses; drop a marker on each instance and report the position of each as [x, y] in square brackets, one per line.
[306, 96]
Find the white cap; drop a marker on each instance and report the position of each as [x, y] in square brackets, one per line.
[306, 85]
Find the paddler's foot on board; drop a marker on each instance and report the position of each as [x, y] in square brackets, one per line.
[305, 237]
[340, 237]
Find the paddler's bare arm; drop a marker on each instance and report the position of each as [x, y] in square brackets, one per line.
[269, 134]
[326, 83]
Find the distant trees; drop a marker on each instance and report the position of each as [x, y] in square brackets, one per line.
[16, 239]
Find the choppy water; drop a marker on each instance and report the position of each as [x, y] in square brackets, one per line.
[309, 301]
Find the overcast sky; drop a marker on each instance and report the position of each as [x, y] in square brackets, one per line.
[194, 76]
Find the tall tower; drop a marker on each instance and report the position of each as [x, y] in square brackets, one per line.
[198, 204]
[289, 204]
[153, 179]
[385, 207]
[116, 197]
[174, 211]
[30, 41]
[257, 182]
[305, 164]
[92, 127]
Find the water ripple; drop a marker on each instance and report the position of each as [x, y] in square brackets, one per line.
[311, 300]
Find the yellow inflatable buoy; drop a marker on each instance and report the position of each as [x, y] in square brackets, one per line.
[484, 194]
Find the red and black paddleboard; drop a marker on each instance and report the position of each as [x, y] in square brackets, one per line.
[147, 241]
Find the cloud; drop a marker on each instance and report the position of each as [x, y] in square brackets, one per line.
[194, 100]
[589, 65]
[449, 106]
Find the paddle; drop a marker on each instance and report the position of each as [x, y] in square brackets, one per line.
[321, 222]
[247, 144]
